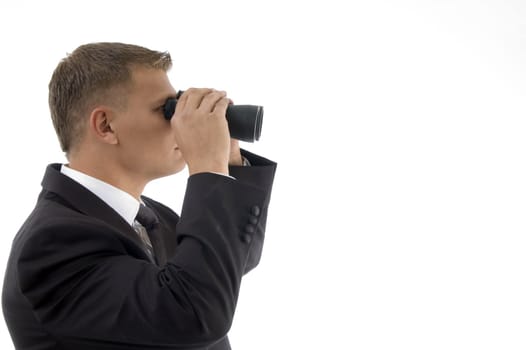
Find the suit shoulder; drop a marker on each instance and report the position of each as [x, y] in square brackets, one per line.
[53, 224]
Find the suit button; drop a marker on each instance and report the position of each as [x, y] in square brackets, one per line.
[253, 220]
[250, 229]
[247, 238]
[256, 210]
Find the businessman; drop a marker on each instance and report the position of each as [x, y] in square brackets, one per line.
[97, 265]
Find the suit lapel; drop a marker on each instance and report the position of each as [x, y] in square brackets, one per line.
[157, 236]
[86, 202]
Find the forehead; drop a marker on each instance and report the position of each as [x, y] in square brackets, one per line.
[150, 83]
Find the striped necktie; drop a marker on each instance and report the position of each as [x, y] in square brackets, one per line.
[145, 222]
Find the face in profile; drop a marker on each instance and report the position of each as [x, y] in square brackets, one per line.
[147, 144]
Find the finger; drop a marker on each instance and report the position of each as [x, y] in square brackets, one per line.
[221, 106]
[193, 97]
[210, 100]
[179, 100]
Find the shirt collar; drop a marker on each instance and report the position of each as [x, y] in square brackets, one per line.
[122, 202]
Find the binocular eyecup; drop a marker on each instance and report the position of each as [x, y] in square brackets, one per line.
[244, 121]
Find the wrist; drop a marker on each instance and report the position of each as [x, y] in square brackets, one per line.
[208, 168]
[237, 161]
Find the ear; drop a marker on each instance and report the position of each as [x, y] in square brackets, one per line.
[100, 125]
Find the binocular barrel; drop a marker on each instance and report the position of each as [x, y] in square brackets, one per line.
[244, 121]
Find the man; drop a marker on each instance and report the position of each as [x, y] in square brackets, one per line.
[99, 266]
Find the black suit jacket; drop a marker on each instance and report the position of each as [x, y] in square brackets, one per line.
[78, 277]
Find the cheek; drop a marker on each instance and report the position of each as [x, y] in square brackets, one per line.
[150, 135]
[147, 135]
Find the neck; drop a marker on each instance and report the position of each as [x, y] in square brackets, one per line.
[111, 173]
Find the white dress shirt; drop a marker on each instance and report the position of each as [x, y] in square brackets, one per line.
[123, 203]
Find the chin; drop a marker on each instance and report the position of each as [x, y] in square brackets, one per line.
[166, 169]
[177, 168]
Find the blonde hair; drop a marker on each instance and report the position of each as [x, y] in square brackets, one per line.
[90, 75]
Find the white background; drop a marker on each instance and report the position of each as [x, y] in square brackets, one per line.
[398, 213]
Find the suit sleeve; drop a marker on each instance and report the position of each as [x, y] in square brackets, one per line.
[262, 172]
[86, 289]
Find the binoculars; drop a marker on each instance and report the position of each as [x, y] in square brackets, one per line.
[244, 121]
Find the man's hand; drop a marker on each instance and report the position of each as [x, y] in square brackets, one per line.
[201, 130]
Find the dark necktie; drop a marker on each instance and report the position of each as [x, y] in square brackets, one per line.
[148, 221]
